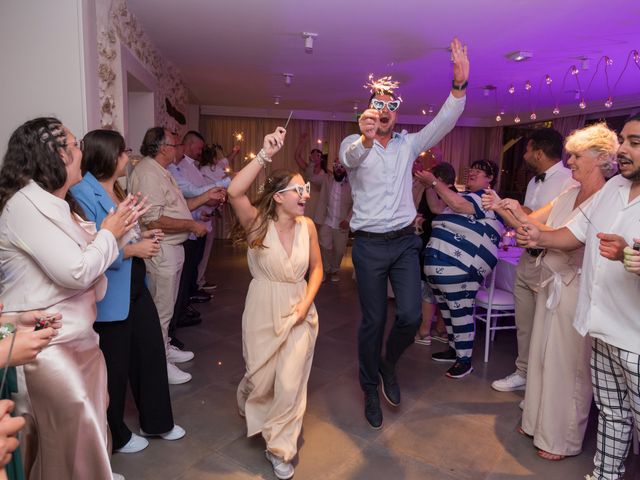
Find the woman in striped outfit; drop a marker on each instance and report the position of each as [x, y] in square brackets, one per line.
[461, 253]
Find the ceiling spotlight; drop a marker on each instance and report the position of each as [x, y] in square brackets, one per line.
[584, 63]
[498, 118]
[511, 89]
[609, 103]
[548, 79]
[487, 89]
[287, 78]
[424, 112]
[574, 70]
[527, 85]
[582, 104]
[533, 116]
[308, 41]
[430, 109]
[519, 55]
[517, 119]
[608, 61]
[276, 100]
[502, 111]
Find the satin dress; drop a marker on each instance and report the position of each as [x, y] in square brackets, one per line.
[278, 354]
[55, 262]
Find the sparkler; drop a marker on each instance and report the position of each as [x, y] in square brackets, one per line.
[588, 219]
[382, 85]
[288, 119]
[238, 136]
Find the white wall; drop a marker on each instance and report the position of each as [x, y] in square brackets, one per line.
[43, 63]
[140, 118]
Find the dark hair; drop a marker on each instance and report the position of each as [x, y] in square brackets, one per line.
[266, 206]
[380, 92]
[489, 168]
[316, 150]
[102, 148]
[209, 154]
[192, 133]
[548, 140]
[33, 153]
[152, 141]
[633, 118]
[445, 172]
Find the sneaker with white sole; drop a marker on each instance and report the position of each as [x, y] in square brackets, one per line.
[176, 376]
[512, 382]
[175, 355]
[176, 433]
[521, 405]
[135, 444]
[282, 470]
[117, 476]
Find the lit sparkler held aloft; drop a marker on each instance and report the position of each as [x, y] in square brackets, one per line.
[238, 136]
[382, 85]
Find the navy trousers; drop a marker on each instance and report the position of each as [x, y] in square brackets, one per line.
[376, 260]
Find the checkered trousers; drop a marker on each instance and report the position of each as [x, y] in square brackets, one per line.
[615, 374]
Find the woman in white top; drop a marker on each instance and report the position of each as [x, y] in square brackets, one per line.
[558, 392]
[52, 259]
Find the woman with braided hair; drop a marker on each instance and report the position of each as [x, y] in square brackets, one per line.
[280, 322]
[52, 259]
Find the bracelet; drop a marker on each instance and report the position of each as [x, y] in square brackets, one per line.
[263, 158]
[459, 87]
[7, 329]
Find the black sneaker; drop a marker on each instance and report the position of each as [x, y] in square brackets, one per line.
[390, 387]
[459, 370]
[446, 356]
[372, 411]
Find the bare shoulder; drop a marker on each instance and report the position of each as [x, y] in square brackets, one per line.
[310, 225]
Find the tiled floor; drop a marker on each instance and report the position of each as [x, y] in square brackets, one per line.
[444, 430]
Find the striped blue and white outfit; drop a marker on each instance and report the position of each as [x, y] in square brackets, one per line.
[462, 251]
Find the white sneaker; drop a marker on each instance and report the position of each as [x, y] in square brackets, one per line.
[175, 355]
[521, 405]
[510, 383]
[135, 444]
[282, 470]
[176, 433]
[176, 376]
[117, 476]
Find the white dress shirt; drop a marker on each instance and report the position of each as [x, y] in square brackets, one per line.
[557, 179]
[609, 300]
[380, 177]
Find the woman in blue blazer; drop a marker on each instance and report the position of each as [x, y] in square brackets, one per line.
[127, 321]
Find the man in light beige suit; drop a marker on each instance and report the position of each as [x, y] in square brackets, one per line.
[333, 213]
[172, 213]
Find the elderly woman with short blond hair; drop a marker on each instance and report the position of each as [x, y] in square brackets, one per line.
[558, 393]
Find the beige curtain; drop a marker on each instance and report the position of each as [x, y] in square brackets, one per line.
[566, 125]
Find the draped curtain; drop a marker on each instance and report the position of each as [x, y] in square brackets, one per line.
[460, 147]
[566, 125]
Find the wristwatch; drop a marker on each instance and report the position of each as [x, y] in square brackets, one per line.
[458, 87]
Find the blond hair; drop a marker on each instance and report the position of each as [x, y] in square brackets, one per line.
[598, 139]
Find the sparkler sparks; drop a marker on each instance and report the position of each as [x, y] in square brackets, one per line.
[382, 85]
[238, 136]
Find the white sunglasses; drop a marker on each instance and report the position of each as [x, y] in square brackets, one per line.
[300, 189]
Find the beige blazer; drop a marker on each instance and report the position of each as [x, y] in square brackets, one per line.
[47, 257]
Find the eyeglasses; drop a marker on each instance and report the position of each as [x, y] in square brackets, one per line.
[77, 143]
[392, 105]
[300, 189]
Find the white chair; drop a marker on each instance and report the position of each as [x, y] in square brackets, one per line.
[497, 301]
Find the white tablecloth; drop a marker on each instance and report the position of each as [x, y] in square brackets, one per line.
[506, 267]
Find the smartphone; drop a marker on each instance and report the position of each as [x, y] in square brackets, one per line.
[636, 246]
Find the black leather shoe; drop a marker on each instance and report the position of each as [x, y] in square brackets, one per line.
[177, 343]
[187, 321]
[390, 387]
[200, 297]
[191, 312]
[372, 411]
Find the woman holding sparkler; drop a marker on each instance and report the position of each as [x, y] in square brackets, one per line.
[558, 392]
[280, 322]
